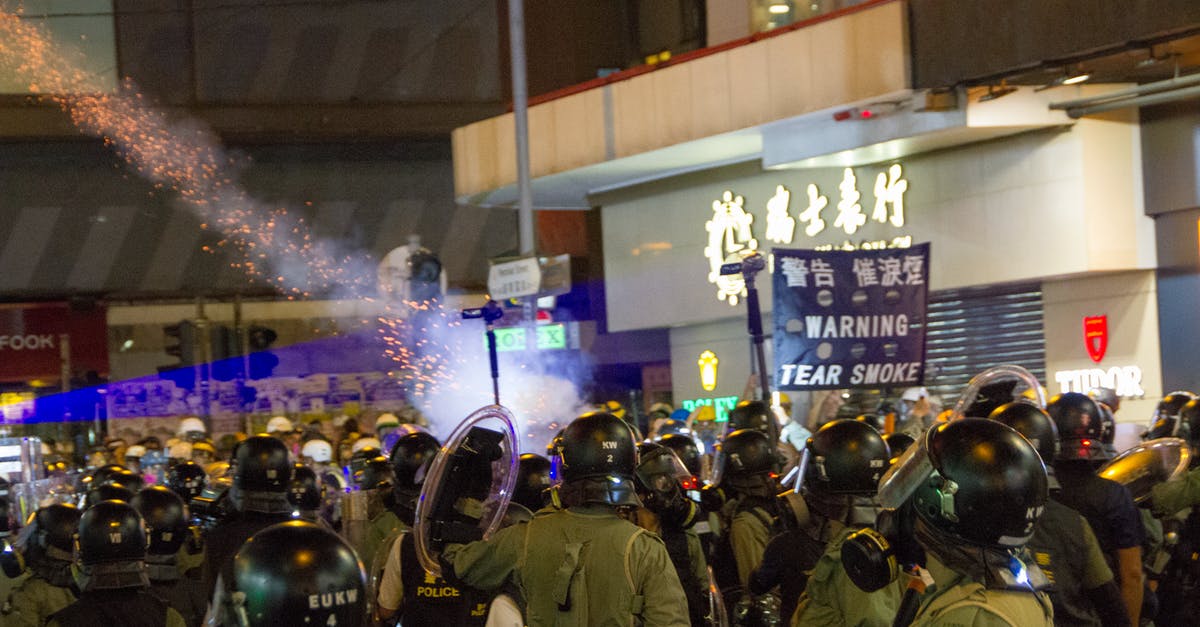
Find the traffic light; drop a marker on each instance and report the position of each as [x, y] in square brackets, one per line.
[225, 352]
[262, 362]
[260, 338]
[180, 341]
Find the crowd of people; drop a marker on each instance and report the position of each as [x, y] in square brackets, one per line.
[1006, 510]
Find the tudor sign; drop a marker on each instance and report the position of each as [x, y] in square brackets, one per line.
[32, 334]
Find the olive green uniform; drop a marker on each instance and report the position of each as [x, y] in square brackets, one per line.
[831, 598]
[1172, 497]
[34, 601]
[748, 536]
[955, 600]
[578, 566]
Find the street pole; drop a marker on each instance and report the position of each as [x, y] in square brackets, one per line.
[520, 94]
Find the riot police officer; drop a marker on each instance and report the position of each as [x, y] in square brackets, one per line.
[259, 498]
[186, 479]
[844, 460]
[415, 597]
[167, 530]
[583, 563]
[1063, 543]
[533, 482]
[114, 588]
[743, 473]
[47, 553]
[297, 573]
[667, 511]
[1107, 505]
[969, 497]
[306, 494]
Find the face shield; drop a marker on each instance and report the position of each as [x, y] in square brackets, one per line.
[663, 472]
[992, 388]
[1147, 465]
[908, 472]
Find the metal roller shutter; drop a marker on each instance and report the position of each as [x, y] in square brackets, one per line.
[976, 328]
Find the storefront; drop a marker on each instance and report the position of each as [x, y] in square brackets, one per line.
[1058, 209]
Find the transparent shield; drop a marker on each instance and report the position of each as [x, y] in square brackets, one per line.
[906, 475]
[1147, 465]
[1024, 386]
[469, 484]
[717, 616]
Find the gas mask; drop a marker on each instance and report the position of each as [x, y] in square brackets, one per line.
[874, 556]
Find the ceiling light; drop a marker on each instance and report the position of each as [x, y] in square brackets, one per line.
[1076, 78]
[779, 8]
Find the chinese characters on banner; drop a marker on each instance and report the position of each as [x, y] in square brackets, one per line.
[850, 319]
[731, 229]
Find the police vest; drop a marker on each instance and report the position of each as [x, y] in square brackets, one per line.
[723, 560]
[430, 600]
[993, 607]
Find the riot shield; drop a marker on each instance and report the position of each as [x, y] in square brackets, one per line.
[469, 484]
[1147, 465]
[996, 386]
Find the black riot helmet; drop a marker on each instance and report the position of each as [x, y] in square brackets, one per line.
[1077, 419]
[56, 526]
[107, 492]
[986, 485]
[744, 460]
[125, 477]
[533, 480]
[845, 457]
[187, 480]
[595, 460]
[1032, 422]
[754, 415]
[296, 573]
[1165, 427]
[411, 456]
[1172, 403]
[1108, 424]
[304, 490]
[262, 465]
[875, 420]
[101, 474]
[1189, 414]
[684, 447]
[166, 519]
[898, 442]
[111, 548]
[375, 474]
[111, 531]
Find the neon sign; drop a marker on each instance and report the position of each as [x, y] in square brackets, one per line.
[731, 229]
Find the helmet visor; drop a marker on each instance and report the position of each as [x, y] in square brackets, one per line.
[904, 477]
[988, 383]
[663, 471]
[1147, 465]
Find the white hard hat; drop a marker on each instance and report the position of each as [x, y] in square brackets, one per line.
[137, 451]
[190, 425]
[386, 420]
[318, 451]
[279, 424]
[363, 443]
[915, 394]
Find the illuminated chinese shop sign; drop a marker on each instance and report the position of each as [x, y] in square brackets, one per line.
[731, 229]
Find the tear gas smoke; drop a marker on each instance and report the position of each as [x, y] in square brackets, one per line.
[441, 361]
